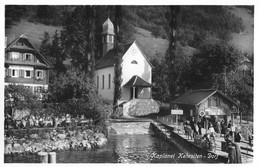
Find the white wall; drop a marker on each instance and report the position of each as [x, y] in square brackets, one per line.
[142, 69]
[107, 93]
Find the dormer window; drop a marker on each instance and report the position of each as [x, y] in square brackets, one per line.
[134, 62]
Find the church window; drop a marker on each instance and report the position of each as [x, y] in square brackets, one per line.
[97, 82]
[109, 81]
[103, 82]
[134, 62]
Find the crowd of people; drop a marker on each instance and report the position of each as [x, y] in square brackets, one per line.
[45, 120]
[229, 133]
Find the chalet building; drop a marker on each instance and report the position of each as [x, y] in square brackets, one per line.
[209, 103]
[136, 99]
[25, 65]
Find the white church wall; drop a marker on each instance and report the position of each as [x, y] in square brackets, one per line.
[141, 69]
[106, 92]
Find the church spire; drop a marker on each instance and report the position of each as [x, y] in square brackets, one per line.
[107, 36]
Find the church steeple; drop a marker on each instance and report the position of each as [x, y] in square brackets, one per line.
[107, 36]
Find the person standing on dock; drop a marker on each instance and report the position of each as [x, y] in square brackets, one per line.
[228, 137]
[200, 123]
[218, 128]
[237, 135]
[223, 127]
[192, 125]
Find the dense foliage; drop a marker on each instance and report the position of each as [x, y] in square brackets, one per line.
[13, 13]
[118, 55]
[18, 97]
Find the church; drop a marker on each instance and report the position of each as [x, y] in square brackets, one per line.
[136, 86]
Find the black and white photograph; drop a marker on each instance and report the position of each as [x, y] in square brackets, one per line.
[132, 84]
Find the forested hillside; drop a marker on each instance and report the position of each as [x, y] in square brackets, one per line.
[148, 24]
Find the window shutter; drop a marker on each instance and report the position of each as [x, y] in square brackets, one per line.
[22, 73]
[6, 72]
[43, 74]
[23, 57]
[9, 55]
[31, 73]
[35, 73]
[9, 72]
[20, 56]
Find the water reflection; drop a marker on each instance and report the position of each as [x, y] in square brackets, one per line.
[121, 149]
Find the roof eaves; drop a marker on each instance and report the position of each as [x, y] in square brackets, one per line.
[25, 37]
[98, 68]
[232, 101]
[44, 59]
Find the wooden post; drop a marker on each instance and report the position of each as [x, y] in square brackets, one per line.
[42, 157]
[133, 92]
[52, 157]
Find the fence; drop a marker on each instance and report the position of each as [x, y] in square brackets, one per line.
[171, 120]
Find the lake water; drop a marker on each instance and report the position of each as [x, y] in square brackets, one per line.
[138, 148]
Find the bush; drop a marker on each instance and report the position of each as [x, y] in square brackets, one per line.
[18, 97]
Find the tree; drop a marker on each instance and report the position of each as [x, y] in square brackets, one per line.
[18, 97]
[75, 92]
[118, 55]
[160, 89]
[214, 60]
[78, 39]
[173, 54]
[217, 66]
[13, 13]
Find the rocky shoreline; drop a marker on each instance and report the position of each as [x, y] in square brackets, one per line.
[55, 141]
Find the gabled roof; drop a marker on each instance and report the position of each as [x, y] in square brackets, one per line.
[109, 58]
[11, 45]
[196, 97]
[136, 81]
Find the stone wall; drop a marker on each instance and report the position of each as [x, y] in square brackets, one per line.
[128, 127]
[141, 107]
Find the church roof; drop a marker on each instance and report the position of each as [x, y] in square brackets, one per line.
[109, 59]
[108, 27]
[136, 81]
